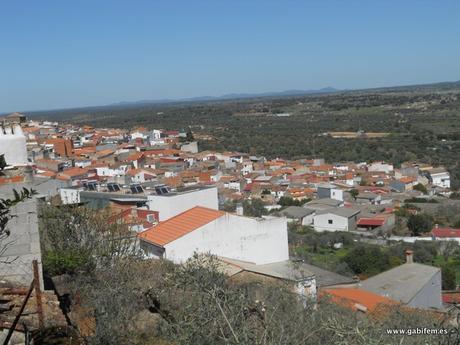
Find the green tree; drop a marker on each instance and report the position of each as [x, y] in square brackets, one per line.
[421, 188]
[254, 208]
[354, 193]
[189, 135]
[77, 239]
[2, 162]
[448, 277]
[419, 223]
[288, 201]
[367, 259]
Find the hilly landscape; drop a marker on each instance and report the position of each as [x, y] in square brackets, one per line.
[419, 123]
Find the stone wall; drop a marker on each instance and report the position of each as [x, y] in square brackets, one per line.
[19, 249]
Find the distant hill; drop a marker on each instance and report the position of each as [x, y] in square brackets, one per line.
[327, 92]
[231, 96]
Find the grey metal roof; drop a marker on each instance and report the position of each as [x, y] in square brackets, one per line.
[401, 283]
[341, 211]
[327, 278]
[326, 185]
[439, 170]
[324, 201]
[287, 270]
[367, 195]
[296, 212]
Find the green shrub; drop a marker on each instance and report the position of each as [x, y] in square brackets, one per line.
[68, 262]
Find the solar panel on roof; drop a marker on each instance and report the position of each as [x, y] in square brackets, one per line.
[92, 186]
[160, 190]
[113, 187]
[136, 189]
[133, 189]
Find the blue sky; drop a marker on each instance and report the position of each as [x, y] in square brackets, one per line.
[56, 54]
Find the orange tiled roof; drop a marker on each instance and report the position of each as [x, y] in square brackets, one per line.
[349, 297]
[85, 150]
[408, 179]
[324, 167]
[72, 172]
[174, 181]
[47, 173]
[13, 179]
[105, 152]
[134, 157]
[180, 225]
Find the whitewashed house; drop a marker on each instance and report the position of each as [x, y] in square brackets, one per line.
[335, 219]
[209, 231]
[327, 190]
[440, 177]
[381, 167]
[172, 203]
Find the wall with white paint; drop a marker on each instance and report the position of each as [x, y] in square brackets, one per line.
[172, 204]
[261, 241]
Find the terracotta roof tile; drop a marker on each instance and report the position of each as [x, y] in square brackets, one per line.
[446, 233]
[180, 225]
[371, 221]
[350, 297]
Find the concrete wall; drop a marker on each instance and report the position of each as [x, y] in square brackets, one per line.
[44, 187]
[171, 205]
[260, 241]
[190, 147]
[306, 289]
[430, 295]
[22, 246]
[322, 192]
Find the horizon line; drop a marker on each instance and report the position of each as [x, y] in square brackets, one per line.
[308, 92]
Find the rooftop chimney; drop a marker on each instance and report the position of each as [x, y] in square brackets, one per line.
[409, 256]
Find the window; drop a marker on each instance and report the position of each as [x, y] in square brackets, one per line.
[330, 221]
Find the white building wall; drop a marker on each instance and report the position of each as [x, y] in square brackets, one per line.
[13, 145]
[441, 180]
[337, 194]
[137, 135]
[106, 171]
[260, 241]
[308, 220]
[69, 196]
[321, 222]
[379, 166]
[82, 164]
[234, 185]
[170, 206]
